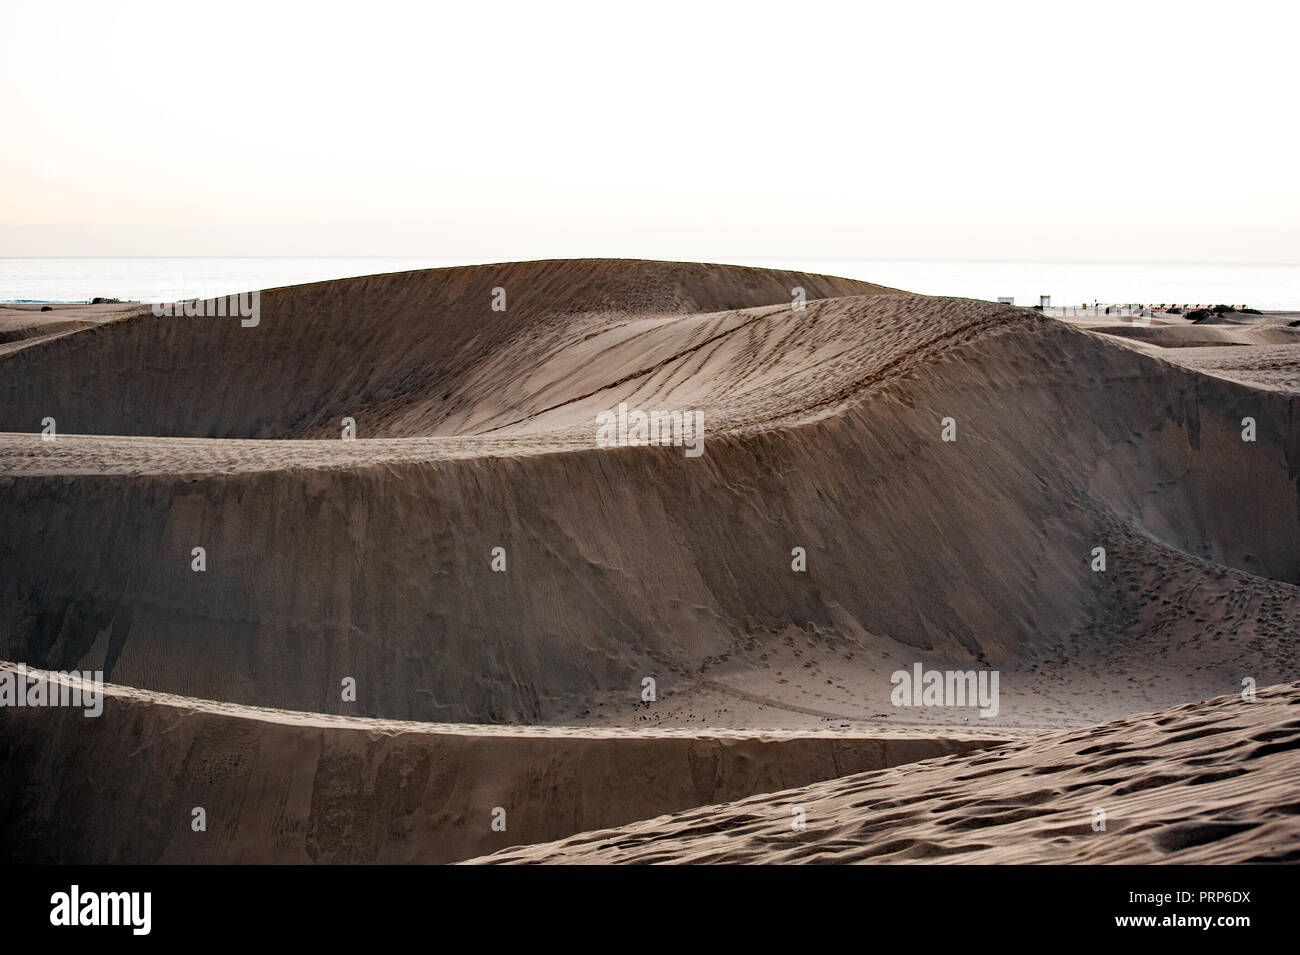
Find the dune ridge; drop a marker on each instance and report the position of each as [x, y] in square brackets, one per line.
[282, 787]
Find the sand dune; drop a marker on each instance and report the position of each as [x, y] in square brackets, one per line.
[284, 787]
[407, 354]
[1209, 782]
[1195, 336]
[1268, 362]
[21, 323]
[371, 560]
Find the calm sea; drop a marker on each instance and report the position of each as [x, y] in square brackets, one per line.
[1068, 283]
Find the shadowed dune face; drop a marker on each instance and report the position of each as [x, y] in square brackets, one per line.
[371, 559]
[295, 788]
[1209, 782]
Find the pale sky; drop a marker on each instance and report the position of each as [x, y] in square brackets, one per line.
[1087, 131]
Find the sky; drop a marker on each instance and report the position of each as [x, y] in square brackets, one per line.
[1161, 132]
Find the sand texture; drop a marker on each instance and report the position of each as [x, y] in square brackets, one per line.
[283, 787]
[371, 560]
[1211, 782]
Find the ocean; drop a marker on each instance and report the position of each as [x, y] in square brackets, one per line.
[1068, 283]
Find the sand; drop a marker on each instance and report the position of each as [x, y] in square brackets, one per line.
[285, 787]
[22, 323]
[372, 559]
[1210, 782]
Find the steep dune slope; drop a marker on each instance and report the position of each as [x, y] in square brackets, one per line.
[372, 559]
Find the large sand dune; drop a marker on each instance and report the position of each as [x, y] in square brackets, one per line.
[372, 559]
[406, 354]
